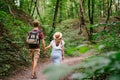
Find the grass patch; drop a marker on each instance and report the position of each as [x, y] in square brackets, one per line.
[84, 49]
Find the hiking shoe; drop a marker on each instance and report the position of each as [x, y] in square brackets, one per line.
[34, 76]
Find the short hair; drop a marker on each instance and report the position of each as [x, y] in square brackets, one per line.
[35, 23]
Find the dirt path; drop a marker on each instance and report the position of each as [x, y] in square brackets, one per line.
[25, 73]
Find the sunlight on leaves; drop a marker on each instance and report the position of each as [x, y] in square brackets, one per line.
[79, 76]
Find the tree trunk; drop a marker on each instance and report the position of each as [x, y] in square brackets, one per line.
[89, 10]
[55, 14]
[30, 6]
[10, 7]
[103, 12]
[37, 8]
[92, 20]
[82, 20]
[91, 17]
[108, 15]
[60, 17]
[118, 3]
[89, 14]
[54, 19]
[34, 9]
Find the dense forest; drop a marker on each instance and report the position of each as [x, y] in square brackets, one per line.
[86, 25]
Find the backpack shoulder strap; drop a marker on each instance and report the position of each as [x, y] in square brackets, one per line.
[31, 31]
[36, 31]
[40, 31]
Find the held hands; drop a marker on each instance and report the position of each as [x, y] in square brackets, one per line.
[44, 50]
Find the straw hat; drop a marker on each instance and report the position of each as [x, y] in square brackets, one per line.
[57, 35]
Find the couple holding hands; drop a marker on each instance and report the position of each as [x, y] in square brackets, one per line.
[57, 45]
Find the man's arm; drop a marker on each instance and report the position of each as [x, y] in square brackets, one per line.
[43, 43]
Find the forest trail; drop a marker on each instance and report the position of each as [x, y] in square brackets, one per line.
[25, 74]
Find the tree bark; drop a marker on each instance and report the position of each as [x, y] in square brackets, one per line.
[82, 20]
[55, 14]
[35, 4]
[91, 17]
[54, 19]
[108, 15]
[109, 8]
[10, 8]
[37, 8]
[60, 17]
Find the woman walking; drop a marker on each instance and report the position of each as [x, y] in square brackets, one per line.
[57, 54]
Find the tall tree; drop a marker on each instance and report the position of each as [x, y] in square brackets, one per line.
[108, 11]
[91, 16]
[54, 19]
[82, 19]
[35, 8]
[55, 14]
[60, 17]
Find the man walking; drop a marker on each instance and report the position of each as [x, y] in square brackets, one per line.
[33, 39]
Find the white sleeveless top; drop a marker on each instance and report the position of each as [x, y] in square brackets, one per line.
[59, 47]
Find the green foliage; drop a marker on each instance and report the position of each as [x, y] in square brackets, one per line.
[3, 6]
[96, 67]
[105, 66]
[55, 72]
[72, 51]
[70, 37]
[83, 48]
[110, 38]
[76, 51]
[13, 34]
[3, 15]
[114, 77]
[12, 44]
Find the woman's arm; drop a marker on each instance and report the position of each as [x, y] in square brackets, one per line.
[62, 52]
[49, 46]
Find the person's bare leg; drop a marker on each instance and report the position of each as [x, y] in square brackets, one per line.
[32, 64]
[35, 65]
[32, 60]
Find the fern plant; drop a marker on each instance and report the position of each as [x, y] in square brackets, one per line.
[105, 66]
